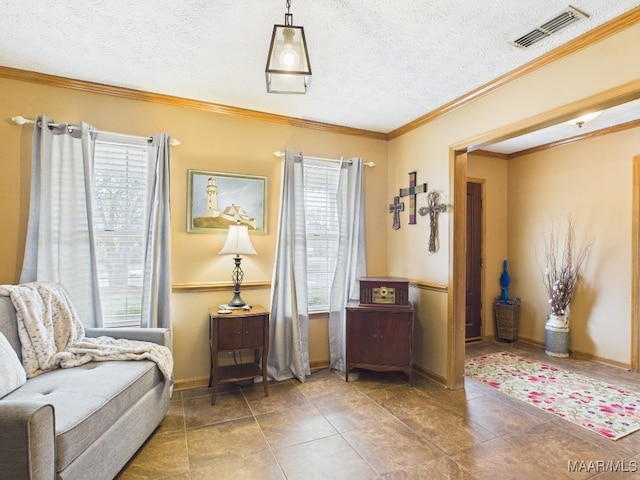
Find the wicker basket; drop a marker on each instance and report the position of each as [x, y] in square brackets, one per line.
[507, 319]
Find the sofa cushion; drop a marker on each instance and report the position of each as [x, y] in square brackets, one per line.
[9, 324]
[12, 374]
[88, 399]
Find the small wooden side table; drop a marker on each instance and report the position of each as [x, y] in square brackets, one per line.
[232, 332]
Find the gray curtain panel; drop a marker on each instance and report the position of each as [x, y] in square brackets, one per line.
[289, 323]
[157, 275]
[59, 246]
[351, 261]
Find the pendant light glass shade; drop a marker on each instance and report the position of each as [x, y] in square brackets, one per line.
[288, 68]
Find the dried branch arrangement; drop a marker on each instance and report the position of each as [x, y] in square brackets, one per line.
[562, 270]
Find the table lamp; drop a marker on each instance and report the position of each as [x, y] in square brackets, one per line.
[238, 243]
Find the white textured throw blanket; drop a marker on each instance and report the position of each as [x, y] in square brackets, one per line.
[53, 337]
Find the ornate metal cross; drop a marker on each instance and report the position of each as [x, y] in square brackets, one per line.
[411, 192]
[432, 209]
[396, 207]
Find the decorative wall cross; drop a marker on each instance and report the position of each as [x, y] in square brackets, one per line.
[432, 209]
[411, 192]
[396, 207]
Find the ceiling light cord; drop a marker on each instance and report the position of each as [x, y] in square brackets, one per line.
[288, 17]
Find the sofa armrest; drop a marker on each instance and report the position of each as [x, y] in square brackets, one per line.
[27, 440]
[161, 336]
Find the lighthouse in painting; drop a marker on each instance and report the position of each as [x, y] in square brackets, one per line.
[212, 199]
[212, 217]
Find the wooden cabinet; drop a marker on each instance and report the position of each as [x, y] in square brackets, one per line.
[233, 332]
[380, 338]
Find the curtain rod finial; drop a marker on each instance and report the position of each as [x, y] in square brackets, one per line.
[20, 120]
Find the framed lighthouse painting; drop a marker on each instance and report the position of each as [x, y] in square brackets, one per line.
[216, 200]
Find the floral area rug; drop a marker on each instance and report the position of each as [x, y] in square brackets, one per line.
[594, 405]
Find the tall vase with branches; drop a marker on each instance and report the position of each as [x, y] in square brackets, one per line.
[560, 275]
[562, 268]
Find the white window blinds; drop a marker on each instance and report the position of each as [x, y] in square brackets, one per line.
[321, 188]
[120, 197]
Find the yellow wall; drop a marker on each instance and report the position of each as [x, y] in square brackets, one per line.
[592, 182]
[540, 96]
[209, 141]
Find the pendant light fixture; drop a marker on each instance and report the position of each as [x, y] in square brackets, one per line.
[288, 68]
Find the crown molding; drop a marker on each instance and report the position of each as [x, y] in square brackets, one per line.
[487, 153]
[144, 96]
[567, 141]
[558, 143]
[596, 35]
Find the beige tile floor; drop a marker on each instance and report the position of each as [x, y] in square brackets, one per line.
[377, 427]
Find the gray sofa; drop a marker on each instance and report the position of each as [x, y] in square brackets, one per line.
[82, 422]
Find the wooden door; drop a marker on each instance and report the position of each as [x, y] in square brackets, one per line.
[473, 303]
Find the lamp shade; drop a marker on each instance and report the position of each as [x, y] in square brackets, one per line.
[238, 242]
[288, 68]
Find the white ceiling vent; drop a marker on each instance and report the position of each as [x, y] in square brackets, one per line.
[554, 24]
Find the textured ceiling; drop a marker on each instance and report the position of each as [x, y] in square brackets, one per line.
[377, 65]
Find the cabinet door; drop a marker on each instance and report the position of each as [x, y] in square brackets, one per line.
[364, 337]
[230, 333]
[395, 330]
[253, 332]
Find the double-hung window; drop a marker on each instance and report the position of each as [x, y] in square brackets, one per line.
[120, 206]
[321, 215]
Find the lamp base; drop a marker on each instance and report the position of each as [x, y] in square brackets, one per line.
[236, 276]
[236, 301]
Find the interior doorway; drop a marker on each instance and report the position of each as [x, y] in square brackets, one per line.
[458, 271]
[473, 294]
